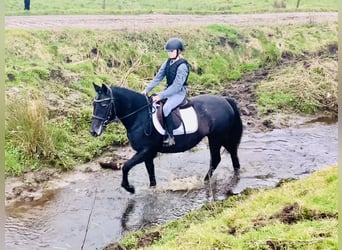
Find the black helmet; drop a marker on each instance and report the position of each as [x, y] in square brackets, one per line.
[174, 43]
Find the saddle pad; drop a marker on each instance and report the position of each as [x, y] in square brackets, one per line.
[189, 118]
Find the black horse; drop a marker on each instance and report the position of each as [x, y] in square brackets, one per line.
[218, 119]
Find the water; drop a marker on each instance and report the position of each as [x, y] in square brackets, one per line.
[91, 210]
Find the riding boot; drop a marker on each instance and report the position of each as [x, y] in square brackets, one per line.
[169, 139]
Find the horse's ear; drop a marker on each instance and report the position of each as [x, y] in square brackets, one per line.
[97, 88]
[105, 88]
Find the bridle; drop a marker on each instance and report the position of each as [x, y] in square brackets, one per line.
[109, 117]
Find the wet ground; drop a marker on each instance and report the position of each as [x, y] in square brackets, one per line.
[90, 209]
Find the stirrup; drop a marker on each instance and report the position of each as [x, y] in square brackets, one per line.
[169, 141]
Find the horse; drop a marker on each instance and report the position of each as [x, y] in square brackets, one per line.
[218, 118]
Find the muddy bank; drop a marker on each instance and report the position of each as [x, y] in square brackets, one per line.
[101, 212]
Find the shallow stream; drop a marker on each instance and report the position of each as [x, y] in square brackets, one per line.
[91, 210]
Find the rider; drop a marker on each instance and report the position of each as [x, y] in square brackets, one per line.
[176, 70]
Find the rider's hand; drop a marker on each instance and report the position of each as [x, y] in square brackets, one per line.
[155, 98]
[144, 92]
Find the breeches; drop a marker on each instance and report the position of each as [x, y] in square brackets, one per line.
[172, 102]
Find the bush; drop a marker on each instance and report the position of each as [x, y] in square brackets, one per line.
[26, 125]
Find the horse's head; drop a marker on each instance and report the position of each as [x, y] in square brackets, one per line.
[104, 109]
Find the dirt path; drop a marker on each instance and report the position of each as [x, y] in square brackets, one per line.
[138, 22]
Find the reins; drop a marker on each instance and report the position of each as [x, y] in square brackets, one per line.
[134, 112]
[147, 133]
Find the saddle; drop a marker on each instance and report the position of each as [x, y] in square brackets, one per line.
[175, 113]
[184, 118]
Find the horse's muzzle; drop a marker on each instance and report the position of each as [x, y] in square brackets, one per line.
[97, 127]
[96, 131]
[93, 133]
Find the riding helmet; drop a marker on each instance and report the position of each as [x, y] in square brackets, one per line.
[174, 43]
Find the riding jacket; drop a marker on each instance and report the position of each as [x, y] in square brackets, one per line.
[171, 71]
[176, 74]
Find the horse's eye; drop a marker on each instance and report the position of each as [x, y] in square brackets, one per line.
[104, 104]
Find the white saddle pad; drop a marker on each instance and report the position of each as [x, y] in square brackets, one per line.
[189, 118]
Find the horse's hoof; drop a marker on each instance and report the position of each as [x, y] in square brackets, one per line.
[129, 188]
[206, 179]
[237, 172]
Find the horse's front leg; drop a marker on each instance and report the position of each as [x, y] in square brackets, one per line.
[136, 159]
[150, 170]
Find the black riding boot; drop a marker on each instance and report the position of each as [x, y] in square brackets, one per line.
[169, 139]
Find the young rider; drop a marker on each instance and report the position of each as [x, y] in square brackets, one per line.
[176, 70]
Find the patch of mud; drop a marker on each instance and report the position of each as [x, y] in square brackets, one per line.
[144, 241]
[30, 186]
[290, 214]
[294, 213]
[244, 92]
[148, 239]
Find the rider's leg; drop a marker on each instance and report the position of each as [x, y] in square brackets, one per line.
[169, 139]
[171, 103]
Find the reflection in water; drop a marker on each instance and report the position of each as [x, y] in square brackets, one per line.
[125, 216]
[62, 218]
[161, 204]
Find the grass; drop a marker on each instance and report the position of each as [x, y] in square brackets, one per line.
[28, 125]
[297, 215]
[77, 7]
[285, 90]
[60, 67]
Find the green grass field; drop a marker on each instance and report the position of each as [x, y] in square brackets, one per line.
[76, 7]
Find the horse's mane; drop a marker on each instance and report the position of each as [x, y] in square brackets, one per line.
[128, 94]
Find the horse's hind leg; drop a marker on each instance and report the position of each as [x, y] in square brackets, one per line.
[215, 157]
[234, 156]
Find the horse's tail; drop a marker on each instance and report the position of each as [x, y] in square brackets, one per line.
[237, 127]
